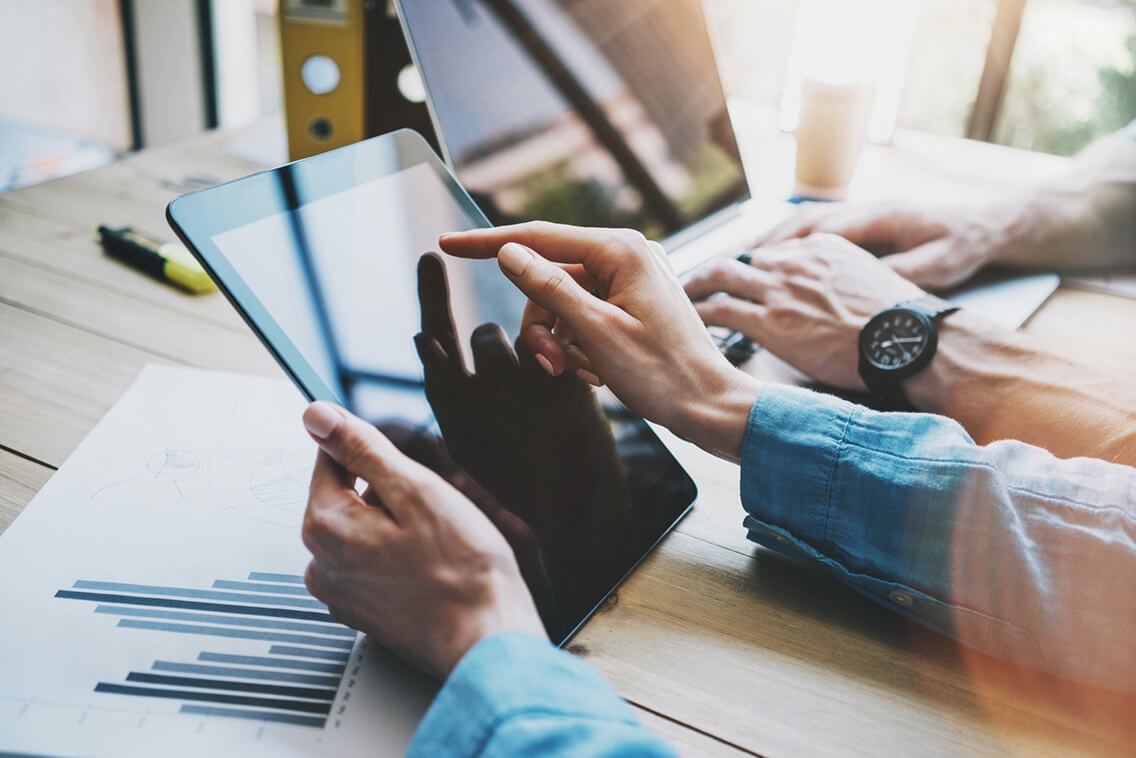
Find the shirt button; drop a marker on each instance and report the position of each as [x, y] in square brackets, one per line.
[901, 598]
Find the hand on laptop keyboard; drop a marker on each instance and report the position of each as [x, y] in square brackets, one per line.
[734, 345]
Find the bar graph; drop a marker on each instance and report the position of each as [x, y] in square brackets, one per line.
[293, 680]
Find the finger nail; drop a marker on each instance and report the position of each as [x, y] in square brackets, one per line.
[321, 419]
[545, 364]
[589, 377]
[514, 258]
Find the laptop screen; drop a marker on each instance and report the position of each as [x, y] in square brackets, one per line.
[587, 112]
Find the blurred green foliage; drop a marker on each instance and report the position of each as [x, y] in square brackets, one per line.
[1073, 75]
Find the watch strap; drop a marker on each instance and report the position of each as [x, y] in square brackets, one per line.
[931, 306]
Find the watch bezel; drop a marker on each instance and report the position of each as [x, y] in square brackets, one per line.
[927, 350]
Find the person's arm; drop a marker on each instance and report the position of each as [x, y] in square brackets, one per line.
[1081, 219]
[806, 301]
[1009, 550]
[1001, 384]
[513, 694]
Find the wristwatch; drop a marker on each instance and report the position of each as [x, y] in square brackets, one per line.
[898, 343]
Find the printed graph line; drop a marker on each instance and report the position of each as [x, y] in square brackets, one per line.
[272, 589]
[303, 652]
[303, 706]
[269, 661]
[262, 576]
[214, 618]
[248, 634]
[195, 605]
[246, 673]
[241, 713]
[237, 597]
[307, 693]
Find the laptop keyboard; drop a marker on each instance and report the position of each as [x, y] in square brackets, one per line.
[734, 345]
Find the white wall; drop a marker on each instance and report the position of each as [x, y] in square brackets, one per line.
[62, 68]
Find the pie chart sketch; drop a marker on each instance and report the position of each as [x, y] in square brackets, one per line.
[257, 478]
[172, 465]
[158, 480]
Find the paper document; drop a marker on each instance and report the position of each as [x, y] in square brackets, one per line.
[153, 596]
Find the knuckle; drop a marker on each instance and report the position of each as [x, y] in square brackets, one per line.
[629, 244]
[315, 581]
[320, 531]
[553, 283]
[312, 528]
[590, 322]
[356, 450]
[631, 238]
[721, 309]
[540, 226]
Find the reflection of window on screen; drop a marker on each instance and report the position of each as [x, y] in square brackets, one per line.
[365, 243]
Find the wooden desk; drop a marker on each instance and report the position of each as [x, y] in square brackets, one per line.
[722, 647]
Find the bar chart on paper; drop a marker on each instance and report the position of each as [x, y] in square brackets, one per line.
[159, 580]
[294, 681]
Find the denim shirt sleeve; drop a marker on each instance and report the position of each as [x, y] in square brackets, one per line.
[1004, 547]
[513, 694]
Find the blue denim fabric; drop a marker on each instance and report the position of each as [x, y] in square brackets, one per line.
[514, 695]
[1003, 547]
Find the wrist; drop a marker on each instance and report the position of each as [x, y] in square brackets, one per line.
[507, 607]
[717, 418]
[975, 359]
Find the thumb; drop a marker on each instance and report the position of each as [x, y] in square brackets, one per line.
[363, 451]
[549, 286]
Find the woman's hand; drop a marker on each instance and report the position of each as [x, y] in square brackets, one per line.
[411, 562]
[605, 303]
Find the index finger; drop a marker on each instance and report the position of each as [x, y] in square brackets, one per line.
[600, 251]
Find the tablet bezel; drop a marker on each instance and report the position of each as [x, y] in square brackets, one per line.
[198, 217]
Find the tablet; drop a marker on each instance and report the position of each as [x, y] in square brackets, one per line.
[324, 259]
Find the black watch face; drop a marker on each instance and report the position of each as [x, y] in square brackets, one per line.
[895, 339]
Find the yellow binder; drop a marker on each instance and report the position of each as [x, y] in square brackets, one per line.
[322, 47]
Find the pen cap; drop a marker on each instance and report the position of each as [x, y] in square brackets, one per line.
[181, 267]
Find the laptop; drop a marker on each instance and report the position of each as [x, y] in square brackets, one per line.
[601, 113]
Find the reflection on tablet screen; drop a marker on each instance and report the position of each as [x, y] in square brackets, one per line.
[580, 487]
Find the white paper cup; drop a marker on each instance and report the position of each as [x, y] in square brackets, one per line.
[832, 125]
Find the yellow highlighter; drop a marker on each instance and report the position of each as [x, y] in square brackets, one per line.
[168, 261]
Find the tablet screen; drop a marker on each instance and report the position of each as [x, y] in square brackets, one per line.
[329, 274]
